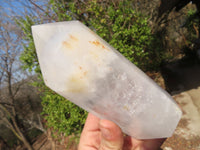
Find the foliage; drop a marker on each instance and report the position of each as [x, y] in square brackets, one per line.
[192, 36]
[64, 116]
[117, 22]
[192, 25]
[123, 28]
[29, 56]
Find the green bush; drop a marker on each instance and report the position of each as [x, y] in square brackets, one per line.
[117, 23]
[125, 29]
[62, 115]
[192, 25]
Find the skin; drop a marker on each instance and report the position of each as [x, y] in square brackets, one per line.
[105, 135]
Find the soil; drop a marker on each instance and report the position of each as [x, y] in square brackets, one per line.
[184, 84]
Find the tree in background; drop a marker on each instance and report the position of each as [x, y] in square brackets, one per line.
[9, 38]
[16, 108]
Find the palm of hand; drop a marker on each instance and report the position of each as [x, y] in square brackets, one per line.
[105, 135]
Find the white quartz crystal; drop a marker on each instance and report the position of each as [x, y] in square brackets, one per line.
[82, 67]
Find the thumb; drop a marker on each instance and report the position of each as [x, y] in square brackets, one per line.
[111, 136]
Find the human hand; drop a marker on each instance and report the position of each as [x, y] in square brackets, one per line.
[105, 135]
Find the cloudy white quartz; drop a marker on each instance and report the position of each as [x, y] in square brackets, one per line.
[82, 67]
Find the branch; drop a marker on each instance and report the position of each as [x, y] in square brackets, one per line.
[3, 69]
[34, 124]
[36, 5]
[8, 123]
[10, 126]
[5, 110]
[40, 8]
[11, 116]
[4, 103]
[196, 30]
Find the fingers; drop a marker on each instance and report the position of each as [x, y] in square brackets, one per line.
[90, 136]
[101, 135]
[92, 123]
[106, 135]
[111, 136]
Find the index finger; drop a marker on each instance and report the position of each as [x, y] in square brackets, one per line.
[92, 123]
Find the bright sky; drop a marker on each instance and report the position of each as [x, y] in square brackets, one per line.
[15, 8]
[18, 7]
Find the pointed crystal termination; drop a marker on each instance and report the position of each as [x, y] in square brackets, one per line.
[82, 67]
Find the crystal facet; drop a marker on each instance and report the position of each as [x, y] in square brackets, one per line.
[82, 67]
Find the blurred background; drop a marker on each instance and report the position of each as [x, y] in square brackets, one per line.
[159, 36]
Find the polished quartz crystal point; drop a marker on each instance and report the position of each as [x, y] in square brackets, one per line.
[79, 65]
